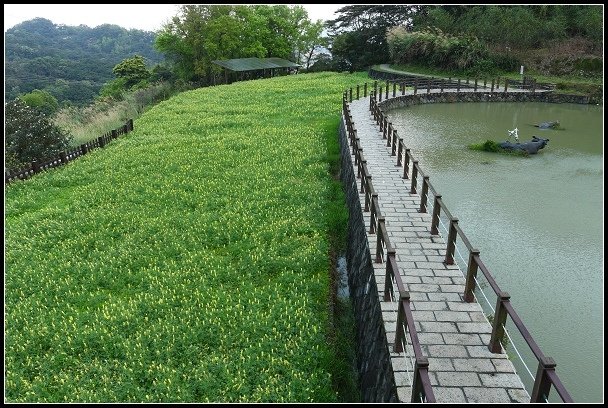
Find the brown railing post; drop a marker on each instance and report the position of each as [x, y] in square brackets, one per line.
[500, 318]
[380, 95]
[406, 163]
[401, 321]
[100, 140]
[542, 384]
[365, 90]
[485, 82]
[388, 282]
[415, 86]
[394, 89]
[381, 238]
[357, 92]
[402, 88]
[114, 133]
[424, 194]
[469, 286]
[63, 157]
[533, 85]
[458, 86]
[475, 87]
[442, 85]
[367, 194]
[400, 152]
[372, 213]
[428, 86]
[375, 87]
[384, 126]
[422, 363]
[506, 84]
[436, 212]
[414, 176]
[35, 166]
[449, 252]
[389, 134]
[130, 125]
[84, 148]
[350, 95]
[492, 88]
[387, 86]
[394, 143]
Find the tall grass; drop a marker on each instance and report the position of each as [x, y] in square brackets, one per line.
[90, 122]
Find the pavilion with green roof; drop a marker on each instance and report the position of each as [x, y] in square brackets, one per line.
[251, 68]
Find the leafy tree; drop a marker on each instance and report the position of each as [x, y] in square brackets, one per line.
[132, 71]
[41, 100]
[359, 33]
[200, 34]
[30, 134]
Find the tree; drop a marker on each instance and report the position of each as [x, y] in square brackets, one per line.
[132, 71]
[30, 134]
[41, 100]
[359, 33]
[200, 34]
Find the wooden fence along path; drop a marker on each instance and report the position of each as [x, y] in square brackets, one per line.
[443, 347]
[66, 156]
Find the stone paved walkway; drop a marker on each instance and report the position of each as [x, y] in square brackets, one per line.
[453, 334]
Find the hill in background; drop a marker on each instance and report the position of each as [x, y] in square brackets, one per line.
[72, 63]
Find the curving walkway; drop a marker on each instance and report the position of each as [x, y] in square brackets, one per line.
[453, 334]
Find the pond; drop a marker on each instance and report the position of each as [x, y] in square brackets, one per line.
[537, 220]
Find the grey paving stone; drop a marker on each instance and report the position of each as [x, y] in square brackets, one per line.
[446, 350]
[431, 306]
[458, 379]
[518, 395]
[503, 365]
[479, 365]
[463, 306]
[465, 327]
[501, 380]
[482, 351]
[443, 327]
[450, 316]
[466, 339]
[449, 395]
[486, 395]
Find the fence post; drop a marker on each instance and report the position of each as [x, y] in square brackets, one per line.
[428, 85]
[436, 212]
[424, 193]
[380, 95]
[350, 95]
[388, 282]
[100, 140]
[380, 238]
[365, 90]
[385, 125]
[485, 81]
[533, 85]
[475, 87]
[394, 143]
[357, 91]
[417, 388]
[500, 318]
[63, 157]
[406, 163]
[389, 134]
[84, 148]
[130, 125]
[449, 252]
[372, 213]
[35, 167]
[442, 85]
[403, 88]
[400, 152]
[394, 89]
[506, 84]
[542, 384]
[387, 86]
[375, 87]
[415, 86]
[414, 175]
[114, 133]
[492, 88]
[458, 86]
[400, 332]
[469, 286]
[367, 195]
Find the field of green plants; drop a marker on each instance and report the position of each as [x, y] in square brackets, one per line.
[187, 261]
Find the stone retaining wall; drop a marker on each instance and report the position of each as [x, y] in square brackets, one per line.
[376, 377]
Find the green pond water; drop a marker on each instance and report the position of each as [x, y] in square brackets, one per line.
[537, 220]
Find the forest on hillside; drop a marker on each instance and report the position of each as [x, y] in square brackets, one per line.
[72, 63]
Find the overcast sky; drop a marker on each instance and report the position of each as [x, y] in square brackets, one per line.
[149, 17]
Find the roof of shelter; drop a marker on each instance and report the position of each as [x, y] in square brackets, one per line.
[252, 64]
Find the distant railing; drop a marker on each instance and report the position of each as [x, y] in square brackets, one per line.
[66, 156]
[546, 377]
[421, 384]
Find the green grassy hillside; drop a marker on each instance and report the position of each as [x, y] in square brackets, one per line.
[187, 261]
